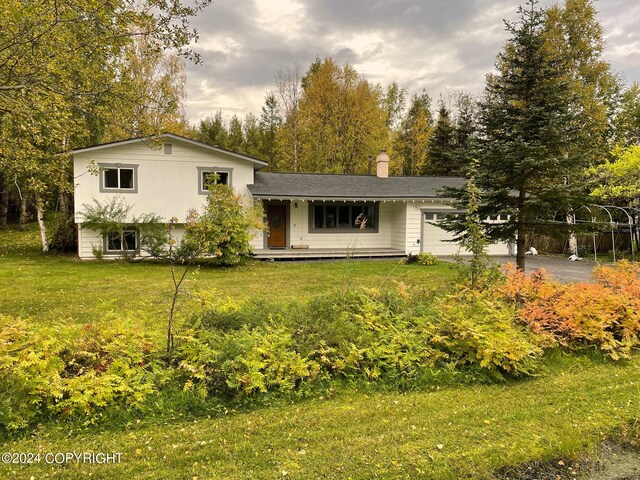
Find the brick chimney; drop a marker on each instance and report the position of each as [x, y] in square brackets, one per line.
[382, 165]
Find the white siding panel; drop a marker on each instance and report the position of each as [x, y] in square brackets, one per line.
[87, 239]
[431, 237]
[382, 239]
[167, 184]
[399, 226]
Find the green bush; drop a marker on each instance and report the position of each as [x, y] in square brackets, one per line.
[63, 234]
[399, 336]
[427, 258]
[71, 371]
[244, 360]
[477, 330]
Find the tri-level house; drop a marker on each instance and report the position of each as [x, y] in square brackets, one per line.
[308, 215]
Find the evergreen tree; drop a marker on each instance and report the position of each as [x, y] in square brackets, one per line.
[527, 118]
[236, 136]
[212, 130]
[441, 150]
[270, 122]
[465, 130]
[252, 136]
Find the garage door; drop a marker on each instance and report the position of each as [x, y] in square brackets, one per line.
[433, 236]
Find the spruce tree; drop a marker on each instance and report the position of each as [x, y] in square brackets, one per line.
[270, 121]
[527, 118]
[441, 154]
[236, 135]
[212, 130]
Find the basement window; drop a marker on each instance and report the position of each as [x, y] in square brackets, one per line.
[116, 243]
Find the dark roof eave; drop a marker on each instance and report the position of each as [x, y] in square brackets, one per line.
[275, 196]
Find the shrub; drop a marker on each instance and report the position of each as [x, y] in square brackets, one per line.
[63, 234]
[427, 258]
[71, 371]
[398, 336]
[478, 330]
[244, 361]
[368, 333]
[605, 314]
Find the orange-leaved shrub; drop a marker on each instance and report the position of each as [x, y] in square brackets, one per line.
[605, 314]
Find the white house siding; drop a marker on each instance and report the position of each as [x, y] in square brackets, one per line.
[167, 183]
[390, 224]
[87, 239]
[399, 226]
[431, 236]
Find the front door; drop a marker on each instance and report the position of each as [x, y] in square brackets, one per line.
[277, 221]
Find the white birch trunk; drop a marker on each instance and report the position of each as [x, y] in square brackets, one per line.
[43, 227]
[573, 240]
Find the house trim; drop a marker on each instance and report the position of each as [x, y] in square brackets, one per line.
[205, 191]
[378, 198]
[265, 233]
[180, 138]
[105, 166]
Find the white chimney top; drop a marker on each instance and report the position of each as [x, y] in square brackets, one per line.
[382, 165]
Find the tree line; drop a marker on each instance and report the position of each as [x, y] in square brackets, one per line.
[553, 110]
[78, 73]
[330, 119]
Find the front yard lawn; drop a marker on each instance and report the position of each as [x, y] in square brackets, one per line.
[338, 429]
[61, 286]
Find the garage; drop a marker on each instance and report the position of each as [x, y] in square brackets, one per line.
[433, 238]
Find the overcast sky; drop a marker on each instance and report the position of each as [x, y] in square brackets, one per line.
[437, 45]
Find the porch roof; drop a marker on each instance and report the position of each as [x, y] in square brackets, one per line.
[316, 186]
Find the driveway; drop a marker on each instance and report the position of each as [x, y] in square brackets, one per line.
[558, 267]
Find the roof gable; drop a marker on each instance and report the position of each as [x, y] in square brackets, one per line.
[258, 163]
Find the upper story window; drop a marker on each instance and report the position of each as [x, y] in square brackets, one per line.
[347, 217]
[116, 177]
[213, 176]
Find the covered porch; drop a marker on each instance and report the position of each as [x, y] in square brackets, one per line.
[326, 253]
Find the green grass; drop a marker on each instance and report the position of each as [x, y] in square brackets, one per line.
[49, 287]
[461, 431]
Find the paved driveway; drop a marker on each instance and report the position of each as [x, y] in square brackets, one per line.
[559, 267]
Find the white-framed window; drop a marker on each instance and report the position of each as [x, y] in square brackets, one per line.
[115, 242]
[116, 177]
[213, 175]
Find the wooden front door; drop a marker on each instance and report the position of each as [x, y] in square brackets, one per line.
[277, 221]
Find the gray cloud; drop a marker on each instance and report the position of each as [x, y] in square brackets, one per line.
[437, 45]
[409, 16]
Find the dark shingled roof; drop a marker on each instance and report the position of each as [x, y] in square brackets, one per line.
[348, 187]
